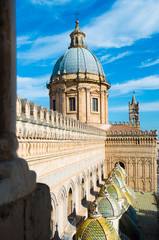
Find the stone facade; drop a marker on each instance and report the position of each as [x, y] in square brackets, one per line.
[67, 155]
[136, 150]
[73, 158]
[83, 92]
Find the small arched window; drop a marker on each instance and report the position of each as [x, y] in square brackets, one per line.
[81, 41]
[76, 40]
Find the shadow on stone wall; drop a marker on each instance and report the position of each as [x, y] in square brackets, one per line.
[27, 218]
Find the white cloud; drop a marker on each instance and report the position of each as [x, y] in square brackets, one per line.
[23, 40]
[149, 63]
[109, 58]
[45, 47]
[144, 107]
[31, 88]
[147, 83]
[119, 108]
[126, 22]
[50, 2]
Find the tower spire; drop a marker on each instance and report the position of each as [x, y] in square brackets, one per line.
[134, 113]
[133, 98]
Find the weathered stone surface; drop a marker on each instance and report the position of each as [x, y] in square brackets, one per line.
[12, 220]
[27, 218]
[38, 214]
[16, 179]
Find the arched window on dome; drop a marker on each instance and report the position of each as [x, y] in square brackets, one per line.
[76, 40]
[72, 41]
[81, 41]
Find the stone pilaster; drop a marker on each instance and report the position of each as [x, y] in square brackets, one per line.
[106, 108]
[102, 107]
[88, 105]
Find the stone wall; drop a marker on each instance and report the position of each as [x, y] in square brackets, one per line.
[67, 155]
[27, 218]
[138, 153]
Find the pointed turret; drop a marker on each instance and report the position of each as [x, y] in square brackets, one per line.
[134, 113]
[133, 99]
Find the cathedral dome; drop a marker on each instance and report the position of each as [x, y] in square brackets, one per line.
[113, 190]
[119, 167]
[96, 227]
[130, 191]
[117, 180]
[108, 206]
[78, 59]
[130, 199]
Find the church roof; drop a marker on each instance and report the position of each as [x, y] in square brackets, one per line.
[117, 128]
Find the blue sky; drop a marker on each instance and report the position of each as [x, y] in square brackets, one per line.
[123, 34]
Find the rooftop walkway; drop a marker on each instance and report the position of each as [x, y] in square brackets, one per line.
[148, 218]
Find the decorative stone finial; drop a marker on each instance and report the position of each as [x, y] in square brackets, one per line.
[94, 213]
[104, 193]
[77, 22]
[109, 180]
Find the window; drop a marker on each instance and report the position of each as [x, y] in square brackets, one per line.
[54, 105]
[72, 106]
[95, 104]
[81, 41]
[76, 40]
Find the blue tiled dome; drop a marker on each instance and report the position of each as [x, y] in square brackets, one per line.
[78, 59]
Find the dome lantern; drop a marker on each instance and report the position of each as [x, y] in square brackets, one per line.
[77, 37]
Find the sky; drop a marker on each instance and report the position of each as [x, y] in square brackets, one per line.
[123, 34]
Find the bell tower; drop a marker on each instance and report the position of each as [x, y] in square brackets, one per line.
[134, 113]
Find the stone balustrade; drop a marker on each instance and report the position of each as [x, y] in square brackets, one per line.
[153, 133]
[37, 122]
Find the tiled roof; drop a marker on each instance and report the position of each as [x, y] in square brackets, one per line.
[123, 128]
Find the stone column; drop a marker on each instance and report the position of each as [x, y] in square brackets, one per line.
[102, 107]
[106, 107]
[57, 101]
[63, 98]
[81, 109]
[88, 105]
[16, 179]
